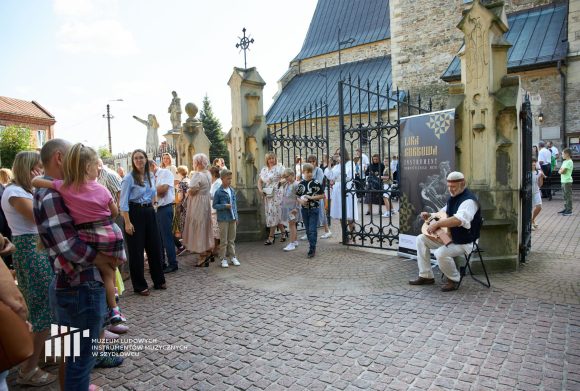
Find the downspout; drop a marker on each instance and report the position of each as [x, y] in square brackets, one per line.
[563, 98]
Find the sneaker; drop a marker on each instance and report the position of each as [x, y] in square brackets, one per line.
[170, 269]
[533, 227]
[118, 328]
[295, 243]
[289, 247]
[562, 211]
[115, 316]
[225, 263]
[326, 235]
[311, 254]
[567, 213]
[235, 261]
[304, 237]
[393, 212]
[387, 214]
[110, 335]
[181, 251]
[108, 361]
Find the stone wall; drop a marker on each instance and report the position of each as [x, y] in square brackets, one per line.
[573, 70]
[347, 54]
[546, 83]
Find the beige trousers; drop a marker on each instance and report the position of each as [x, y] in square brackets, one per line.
[227, 239]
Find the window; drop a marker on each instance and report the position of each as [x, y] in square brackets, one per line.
[40, 137]
[2, 127]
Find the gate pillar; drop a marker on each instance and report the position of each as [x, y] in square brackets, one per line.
[247, 150]
[488, 132]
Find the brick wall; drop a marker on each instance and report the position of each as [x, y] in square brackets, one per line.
[33, 127]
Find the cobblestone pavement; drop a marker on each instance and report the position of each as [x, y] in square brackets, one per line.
[348, 320]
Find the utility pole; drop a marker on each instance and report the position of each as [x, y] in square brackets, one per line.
[108, 116]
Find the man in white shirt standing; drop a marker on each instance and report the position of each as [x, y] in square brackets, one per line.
[394, 166]
[554, 150]
[164, 181]
[545, 160]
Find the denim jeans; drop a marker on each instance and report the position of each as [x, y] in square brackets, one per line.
[310, 219]
[165, 222]
[83, 307]
[3, 385]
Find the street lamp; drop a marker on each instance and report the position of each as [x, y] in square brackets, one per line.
[108, 116]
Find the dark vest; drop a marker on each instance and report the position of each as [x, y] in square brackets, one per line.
[461, 235]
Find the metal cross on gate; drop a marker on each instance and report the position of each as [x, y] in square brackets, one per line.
[244, 44]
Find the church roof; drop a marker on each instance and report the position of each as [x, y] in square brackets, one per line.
[365, 21]
[538, 37]
[310, 87]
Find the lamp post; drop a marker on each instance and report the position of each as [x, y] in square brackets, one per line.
[108, 116]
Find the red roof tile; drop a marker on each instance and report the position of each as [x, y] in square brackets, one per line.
[24, 108]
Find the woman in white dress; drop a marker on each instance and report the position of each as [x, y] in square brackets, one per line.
[333, 174]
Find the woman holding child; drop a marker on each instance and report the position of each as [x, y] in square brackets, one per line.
[33, 270]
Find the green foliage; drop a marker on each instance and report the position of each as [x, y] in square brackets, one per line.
[213, 130]
[104, 153]
[13, 139]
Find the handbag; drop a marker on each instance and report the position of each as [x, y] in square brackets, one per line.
[15, 338]
[268, 191]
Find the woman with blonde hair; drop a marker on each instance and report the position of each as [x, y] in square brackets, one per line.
[5, 176]
[33, 270]
[268, 187]
[198, 234]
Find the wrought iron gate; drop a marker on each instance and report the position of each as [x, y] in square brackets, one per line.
[526, 189]
[303, 134]
[369, 122]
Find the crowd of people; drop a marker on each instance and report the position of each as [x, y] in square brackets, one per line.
[545, 159]
[68, 223]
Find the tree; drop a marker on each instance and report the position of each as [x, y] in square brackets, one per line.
[13, 139]
[213, 130]
[104, 153]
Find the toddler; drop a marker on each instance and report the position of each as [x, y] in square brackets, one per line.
[289, 206]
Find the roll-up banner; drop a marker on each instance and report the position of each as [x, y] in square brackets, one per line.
[427, 155]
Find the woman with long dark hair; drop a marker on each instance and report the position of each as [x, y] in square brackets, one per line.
[137, 201]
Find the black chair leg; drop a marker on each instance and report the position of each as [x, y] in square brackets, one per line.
[478, 251]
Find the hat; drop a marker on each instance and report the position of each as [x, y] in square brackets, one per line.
[455, 176]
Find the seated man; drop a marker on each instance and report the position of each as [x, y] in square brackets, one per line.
[464, 223]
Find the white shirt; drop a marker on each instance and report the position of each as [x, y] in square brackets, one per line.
[164, 177]
[216, 185]
[467, 209]
[394, 164]
[229, 191]
[554, 151]
[544, 156]
[19, 224]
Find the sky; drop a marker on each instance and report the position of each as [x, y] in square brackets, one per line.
[76, 56]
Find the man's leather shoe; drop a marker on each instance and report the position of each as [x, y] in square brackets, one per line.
[422, 281]
[450, 286]
[170, 269]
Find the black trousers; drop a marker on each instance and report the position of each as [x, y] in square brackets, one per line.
[146, 237]
[547, 186]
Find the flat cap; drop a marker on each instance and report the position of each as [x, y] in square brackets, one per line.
[455, 176]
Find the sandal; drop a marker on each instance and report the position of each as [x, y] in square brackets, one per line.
[269, 241]
[35, 378]
[284, 236]
[144, 292]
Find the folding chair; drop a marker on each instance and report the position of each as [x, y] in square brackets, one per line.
[463, 270]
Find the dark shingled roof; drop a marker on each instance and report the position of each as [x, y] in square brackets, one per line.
[308, 88]
[538, 37]
[364, 20]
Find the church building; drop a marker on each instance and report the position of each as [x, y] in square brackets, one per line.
[413, 46]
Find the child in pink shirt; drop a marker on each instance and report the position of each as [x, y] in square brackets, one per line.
[92, 208]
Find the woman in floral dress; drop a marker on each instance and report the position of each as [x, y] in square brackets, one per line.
[272, 193]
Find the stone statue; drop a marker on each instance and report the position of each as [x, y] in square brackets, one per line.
[192, 124]
[152, 137]
[175, 111]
